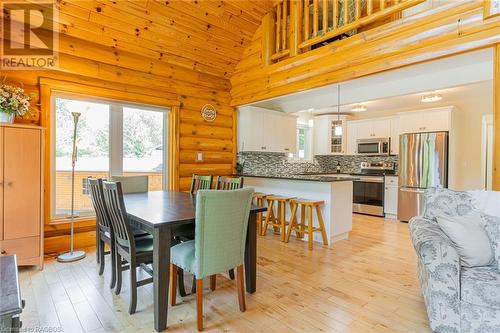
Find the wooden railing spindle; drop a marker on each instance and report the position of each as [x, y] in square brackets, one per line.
[357, 8]
[335, 14]
[315, 17]
[325, 16]
[283, 29]
[346, 12]
[369, 7]
[306, 19]
[278, 27]
[382, 4]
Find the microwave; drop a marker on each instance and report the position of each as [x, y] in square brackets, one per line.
[373, 147]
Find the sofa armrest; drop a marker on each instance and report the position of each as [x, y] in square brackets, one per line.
[438, 272]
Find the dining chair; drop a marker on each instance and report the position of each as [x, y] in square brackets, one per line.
[199, 182]
[220, 233]
[229, 183]
[137, 252]
[132, 184]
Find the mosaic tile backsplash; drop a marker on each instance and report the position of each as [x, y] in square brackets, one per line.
[268, 164]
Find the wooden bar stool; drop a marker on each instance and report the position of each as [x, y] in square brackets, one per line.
[306, 207]
[278, 221]
[259, 200]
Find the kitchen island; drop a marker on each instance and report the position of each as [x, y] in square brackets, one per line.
[335, 191]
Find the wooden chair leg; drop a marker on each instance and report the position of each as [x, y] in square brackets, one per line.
[180, 282]
[112, 253]
[173, 284]
[133, 287]
[118, 273]
[101, 257]
[302, 220]
[213, 282]
[310, 227]
[199, 304]
[322, 226]
[278, 218]
[293, 222]
[241, 288]
[231, 274]
[283, 221]
[269, 216]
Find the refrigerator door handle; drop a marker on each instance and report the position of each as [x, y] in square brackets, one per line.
[412, 190]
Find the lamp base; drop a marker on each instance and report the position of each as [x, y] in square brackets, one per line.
[71, 256]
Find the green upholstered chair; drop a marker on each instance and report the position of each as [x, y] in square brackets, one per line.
[199, 182]
[132, 184]
[219, 244]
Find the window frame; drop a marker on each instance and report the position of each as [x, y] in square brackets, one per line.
[308, 155]
[115, 140]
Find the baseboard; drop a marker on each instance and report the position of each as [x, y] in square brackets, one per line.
[57, 244]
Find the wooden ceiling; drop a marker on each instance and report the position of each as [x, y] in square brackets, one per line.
[204, 35]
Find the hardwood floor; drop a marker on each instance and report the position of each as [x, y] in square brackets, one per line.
[366, 284]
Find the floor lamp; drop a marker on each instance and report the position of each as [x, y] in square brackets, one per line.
[72, 255]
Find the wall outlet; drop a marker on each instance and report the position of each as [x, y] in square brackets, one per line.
[199, 156]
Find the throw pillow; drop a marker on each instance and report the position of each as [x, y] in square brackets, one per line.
[469, 237]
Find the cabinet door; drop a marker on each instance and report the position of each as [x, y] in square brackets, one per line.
[271, 138]
[365, 129]
[394, 136]
[22, 182]
[381, 128]
[434, 121]
[351, 137]
[321, 135]
[410, 122]
[250, 129]
[288, 134]
[391, 200]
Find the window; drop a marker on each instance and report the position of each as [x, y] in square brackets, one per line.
[113, 139]
[304, 142]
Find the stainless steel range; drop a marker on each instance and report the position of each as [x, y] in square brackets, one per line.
[368, 191]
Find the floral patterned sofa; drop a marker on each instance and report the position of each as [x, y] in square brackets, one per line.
[458, 299]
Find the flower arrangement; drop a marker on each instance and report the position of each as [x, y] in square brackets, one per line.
[13, 101]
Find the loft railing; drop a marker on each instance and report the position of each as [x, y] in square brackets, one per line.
[296, 26]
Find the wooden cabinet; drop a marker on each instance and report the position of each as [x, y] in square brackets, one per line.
[266, 131]
[328, 139]
[391, 196]
[21, 184]
[431, 120]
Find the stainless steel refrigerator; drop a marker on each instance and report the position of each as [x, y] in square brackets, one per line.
[423, 163]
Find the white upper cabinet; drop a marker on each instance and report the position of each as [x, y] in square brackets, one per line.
[266, 131]
[394, 144]
[371, 128]
[327, 141]
[431, 120]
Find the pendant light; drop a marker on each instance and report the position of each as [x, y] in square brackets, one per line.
[338, 126]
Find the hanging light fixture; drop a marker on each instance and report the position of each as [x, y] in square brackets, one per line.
[338, 126]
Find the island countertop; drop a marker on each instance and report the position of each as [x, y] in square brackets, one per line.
[312, 178]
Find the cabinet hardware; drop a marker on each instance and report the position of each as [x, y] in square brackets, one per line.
[262, 147]
[4, 252]
[9, 183]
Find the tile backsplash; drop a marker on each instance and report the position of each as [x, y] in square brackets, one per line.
[258, 163]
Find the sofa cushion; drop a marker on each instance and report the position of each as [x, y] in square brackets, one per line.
[481, 286]
[469, 238]
[486, 201]
[492, 226]
[445, 202]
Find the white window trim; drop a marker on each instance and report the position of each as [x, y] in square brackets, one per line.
[309, 157]
[116, 145]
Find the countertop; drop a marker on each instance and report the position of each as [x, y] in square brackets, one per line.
[313, 178]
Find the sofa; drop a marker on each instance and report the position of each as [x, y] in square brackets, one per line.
[457, 298]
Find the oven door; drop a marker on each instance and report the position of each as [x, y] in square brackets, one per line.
[368, 196]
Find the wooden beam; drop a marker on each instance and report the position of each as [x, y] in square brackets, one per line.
[496, 117]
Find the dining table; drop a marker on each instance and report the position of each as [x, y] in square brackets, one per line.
[159, 213]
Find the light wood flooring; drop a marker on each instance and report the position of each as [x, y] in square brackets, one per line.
[365, 284]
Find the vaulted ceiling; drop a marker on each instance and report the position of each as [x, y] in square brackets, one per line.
[205, 35]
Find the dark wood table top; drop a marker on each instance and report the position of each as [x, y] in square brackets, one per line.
[10, 297]
[164, 207]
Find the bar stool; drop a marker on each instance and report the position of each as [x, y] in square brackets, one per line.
[306, 207]
[278, 221]
[259, 199]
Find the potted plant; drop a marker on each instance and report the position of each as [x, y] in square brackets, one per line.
[13, 102]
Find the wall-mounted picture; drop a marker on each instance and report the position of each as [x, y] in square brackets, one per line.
[491, 8]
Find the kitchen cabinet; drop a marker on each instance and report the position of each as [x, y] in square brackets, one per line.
[394, 144]
[372, 128]
[21, 181]
[391, 196]
[431, 120]
[326, 140]
[264, 130]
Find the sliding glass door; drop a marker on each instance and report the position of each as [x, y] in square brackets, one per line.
[113, 139]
